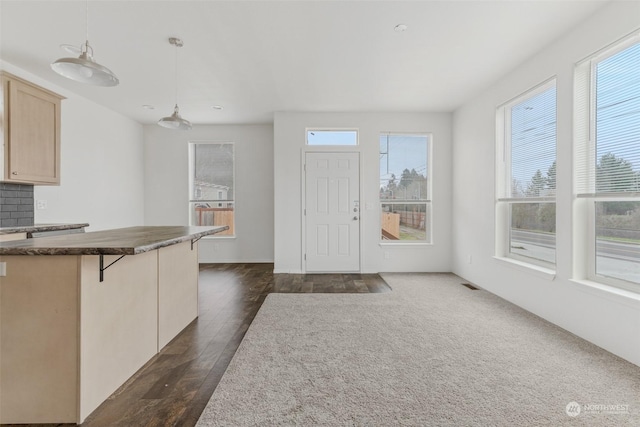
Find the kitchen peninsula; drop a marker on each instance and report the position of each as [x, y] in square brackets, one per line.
[81, 313]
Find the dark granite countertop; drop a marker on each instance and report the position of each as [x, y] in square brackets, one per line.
[36, 228]
[121, 241]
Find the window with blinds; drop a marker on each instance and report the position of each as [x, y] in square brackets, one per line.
[212, 185]
[527, 139]
[608, 160]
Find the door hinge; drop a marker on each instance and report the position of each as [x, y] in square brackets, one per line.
[305, 211]
[305, 257]
[305, 167]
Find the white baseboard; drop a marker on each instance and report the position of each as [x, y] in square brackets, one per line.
[280, 271]
[235, 261]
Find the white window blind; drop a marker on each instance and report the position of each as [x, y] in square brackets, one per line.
[617, 98]
[531, 144]
[611, 168]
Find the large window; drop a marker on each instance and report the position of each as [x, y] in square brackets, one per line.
[608, 162]
[526, 177]
[405, 188]
[211, 185]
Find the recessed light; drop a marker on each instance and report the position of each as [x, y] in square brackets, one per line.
[148, 107]
[218, 107]
[400, 28]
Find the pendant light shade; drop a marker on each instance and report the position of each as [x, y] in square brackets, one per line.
[85, 70]
[175, 121]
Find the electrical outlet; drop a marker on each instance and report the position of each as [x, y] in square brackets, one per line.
[468, 259]
[3, 269]
[41, 204]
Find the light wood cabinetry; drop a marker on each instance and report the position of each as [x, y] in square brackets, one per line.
[81, 313]
[12, 236]
[69, 340]
[30, 126]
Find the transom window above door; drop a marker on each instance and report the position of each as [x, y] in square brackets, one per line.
[332, 137]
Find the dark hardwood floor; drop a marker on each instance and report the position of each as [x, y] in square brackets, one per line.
[173, 388]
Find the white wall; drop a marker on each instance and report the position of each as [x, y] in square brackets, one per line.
[101, 165]
[167, 187]
[606, 317]
[289, 142]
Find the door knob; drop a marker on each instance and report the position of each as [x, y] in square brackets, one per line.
[355, 218]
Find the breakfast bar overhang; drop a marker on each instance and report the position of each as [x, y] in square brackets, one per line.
[81, 313]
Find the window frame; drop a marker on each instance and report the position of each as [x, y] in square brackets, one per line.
[585, 155]
[504, 199]
[428, 203]
[190, 188]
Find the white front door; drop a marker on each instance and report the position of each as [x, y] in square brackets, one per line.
[332, 206]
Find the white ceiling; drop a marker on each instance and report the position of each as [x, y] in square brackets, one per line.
[258, 57]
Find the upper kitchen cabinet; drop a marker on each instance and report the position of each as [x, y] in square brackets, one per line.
[30, 124]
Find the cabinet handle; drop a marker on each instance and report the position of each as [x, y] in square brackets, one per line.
[14, 173]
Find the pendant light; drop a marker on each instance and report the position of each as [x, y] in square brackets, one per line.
[174, 121]
[85, 69]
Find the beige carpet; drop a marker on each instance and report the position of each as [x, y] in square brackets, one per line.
[430, 353]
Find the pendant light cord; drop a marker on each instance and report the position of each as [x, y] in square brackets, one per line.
[176, 71]
[86, 30]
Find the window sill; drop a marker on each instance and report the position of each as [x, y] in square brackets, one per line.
[545, 273]
[609, 292]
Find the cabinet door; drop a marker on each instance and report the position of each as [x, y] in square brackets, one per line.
[13, 236]
[33, 152]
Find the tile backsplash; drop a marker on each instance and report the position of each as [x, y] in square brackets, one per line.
[16, 205]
